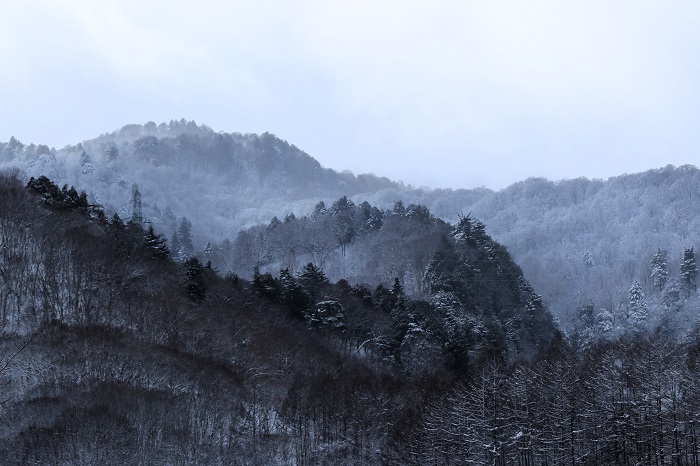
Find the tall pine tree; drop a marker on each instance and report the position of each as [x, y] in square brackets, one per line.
[638, 311]
[156, 245]
[195, 283]
[659, 270]
[689, 272]
[185, 236]
[136, 208]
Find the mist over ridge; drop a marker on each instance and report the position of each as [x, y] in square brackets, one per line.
[223, 298]
[225, 182]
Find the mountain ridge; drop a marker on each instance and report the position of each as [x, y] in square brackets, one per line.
[111, 353]
[548, 226]
[102, 336]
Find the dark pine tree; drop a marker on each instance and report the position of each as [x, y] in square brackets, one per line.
[313, 280]
[689, 271]
[265, 285]
[293, 296]
[185, 236]
[659, 270]
[156, 245]
[195, 284]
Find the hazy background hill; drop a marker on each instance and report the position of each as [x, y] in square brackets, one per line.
[586, 241]
[219, 181]
[581, 242]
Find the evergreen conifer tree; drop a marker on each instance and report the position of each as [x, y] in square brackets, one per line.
[605, 324]
[195, 284]
[265, 284]
[320, 209]
[274, 223]
[116, 221]
[398, 208]
[185, 236]
[156, 244]
[672, 294]
[136, 209]
[659, 270]
[176, 247]
[312, 279]
[398, 296]
[343, 225]
[293, 296]
[689, 272]
[638, 311]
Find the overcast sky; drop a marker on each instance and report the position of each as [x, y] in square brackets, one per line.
[435, 93]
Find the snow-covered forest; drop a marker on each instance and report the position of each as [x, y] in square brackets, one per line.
[172, 295]
[580, 242]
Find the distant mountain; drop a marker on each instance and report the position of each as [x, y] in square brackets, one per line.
[219, 181]
[582, 243]
[371, 331]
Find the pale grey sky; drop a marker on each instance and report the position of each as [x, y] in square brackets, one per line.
[437, 93]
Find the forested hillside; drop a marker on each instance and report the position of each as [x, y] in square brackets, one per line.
[219, 181]
[584, 244]
[455, 268]
[112, 353]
